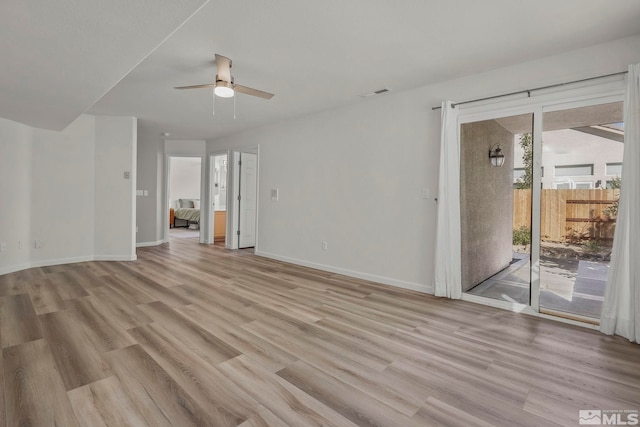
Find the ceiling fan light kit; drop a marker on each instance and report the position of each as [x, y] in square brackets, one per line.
[224, 86]
[223, 89]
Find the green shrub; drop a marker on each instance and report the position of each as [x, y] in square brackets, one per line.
[522, 235]
[592, 246]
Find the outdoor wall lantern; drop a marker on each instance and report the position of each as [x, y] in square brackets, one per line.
[496, 156]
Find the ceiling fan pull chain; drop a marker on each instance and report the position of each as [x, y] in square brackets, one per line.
[234, 107]
[213, 107]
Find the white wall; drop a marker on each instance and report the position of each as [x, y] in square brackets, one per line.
[115, 154]
[16, 142]
[150, 167]
[49, 193]
[184, 179]
[62, 192]
[353, 178]
[153, 150]
[333, 170]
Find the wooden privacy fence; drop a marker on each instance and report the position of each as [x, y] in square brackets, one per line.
[568, 215]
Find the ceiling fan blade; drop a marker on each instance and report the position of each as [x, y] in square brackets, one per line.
[223, 64]
[253, 92]
[196, 86]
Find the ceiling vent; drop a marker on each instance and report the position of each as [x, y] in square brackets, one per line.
[377, 92]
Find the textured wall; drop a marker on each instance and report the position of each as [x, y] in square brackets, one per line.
[486, 202]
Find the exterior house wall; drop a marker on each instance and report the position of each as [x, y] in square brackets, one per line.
[486, 202]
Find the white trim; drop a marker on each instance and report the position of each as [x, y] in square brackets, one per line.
[233, 208]
[503, 305]
[211, 233]
[522, 309]
[115, 258]
[536, 214]
[147, 244]
[351, 273]
[59, 261]
[592, 94]
[43, 263]
[257, 232]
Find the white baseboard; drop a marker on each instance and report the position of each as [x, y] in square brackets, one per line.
[357, 274]
[115, 257]
[351, 273]
[43, 263]
[146, 244]
[72, 260]
[13, 268]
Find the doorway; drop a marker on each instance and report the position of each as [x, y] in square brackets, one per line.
[494, 263]
[219, 167]
[184, 196]
[245, 199]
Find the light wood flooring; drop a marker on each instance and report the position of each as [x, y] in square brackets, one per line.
[194, 335]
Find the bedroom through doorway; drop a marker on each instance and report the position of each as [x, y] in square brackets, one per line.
[184, 197]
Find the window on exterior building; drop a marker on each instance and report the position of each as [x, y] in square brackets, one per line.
[614, 169]
[562, 186]
[584, 185]
[574, 170]
[517, 173]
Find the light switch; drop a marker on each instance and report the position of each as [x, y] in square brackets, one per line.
[146, 193]
[275, 194]
[127, 174]
[139, 193]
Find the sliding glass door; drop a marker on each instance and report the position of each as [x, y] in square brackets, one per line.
[537, 226]
[582, 160]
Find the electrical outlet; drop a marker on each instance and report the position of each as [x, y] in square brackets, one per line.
[325, 246]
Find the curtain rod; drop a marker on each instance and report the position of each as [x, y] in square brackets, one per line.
[528, 91]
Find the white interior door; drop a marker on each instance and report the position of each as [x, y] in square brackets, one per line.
[247, 200]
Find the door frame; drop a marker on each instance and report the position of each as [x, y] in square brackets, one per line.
[210, 219]
[592, 93]
[204, 200]
[232, 195]
[243, 222]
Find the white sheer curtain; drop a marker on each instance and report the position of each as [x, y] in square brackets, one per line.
[621, 309]
[448, 268]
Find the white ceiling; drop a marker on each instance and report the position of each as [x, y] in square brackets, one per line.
[57, 58]
[313, 55]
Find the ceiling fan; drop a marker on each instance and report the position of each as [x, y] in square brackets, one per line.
[224, 86]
